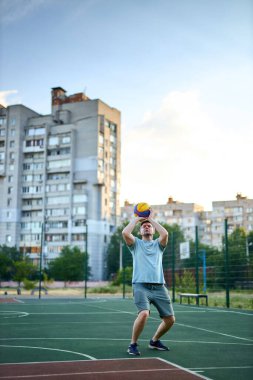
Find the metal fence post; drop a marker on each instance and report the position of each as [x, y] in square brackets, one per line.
[226, 263]
[173, 266]
[41, 252]
[123, 271]
[197, 260]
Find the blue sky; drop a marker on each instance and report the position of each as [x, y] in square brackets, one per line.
[180, 71]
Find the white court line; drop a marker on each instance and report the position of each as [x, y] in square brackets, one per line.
[216, 310]
[176, 368]
[81, 302]
[188, 326]
[214, 332]
[127, 339]
[50, 349]
[191, 370]
[18, 300]
[77, 361]
[14, 314]
[232, 367]
[184, 369]
[128, 371]
[58, 323]
[84, 313]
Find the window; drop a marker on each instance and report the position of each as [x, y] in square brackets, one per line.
[66, 140]
[13, 121]
[79, 222]
[79, 186]
[10, 178]
[39, 142]
[78, 237]
[53, 141]
[35, 131]
[2, 132]
[32, 189]
[2, 121]
[58, 164]
[12, 144]
[101, 139]
[79, 198]
[8, 239]
[33, 166]
[12, 155]
[79, 210]
[56, 176]
[57, 237]
[27, 178]
[10, 190]
[2, 155]
[9, 202]
[13, 132]
[2, 144]
[57, 200]
[63, 224]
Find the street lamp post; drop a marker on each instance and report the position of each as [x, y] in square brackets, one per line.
[41, 250]
[86, 260]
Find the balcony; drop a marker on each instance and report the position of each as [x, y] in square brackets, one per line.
[36, 148]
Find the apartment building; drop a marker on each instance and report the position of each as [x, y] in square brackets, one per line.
[186, 215]
[63, 171]
[238, 212]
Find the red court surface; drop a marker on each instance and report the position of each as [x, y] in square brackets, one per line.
[8, 300]
[123, 369]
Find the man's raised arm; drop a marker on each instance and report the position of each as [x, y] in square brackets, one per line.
[163, 238]
[127, 231]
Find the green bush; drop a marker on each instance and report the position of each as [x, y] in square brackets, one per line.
[127, 276]
[186, 282]
[106, 289]
[29, 285]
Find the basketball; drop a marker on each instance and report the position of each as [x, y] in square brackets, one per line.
[142, 210]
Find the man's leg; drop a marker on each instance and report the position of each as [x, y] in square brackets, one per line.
[164, 326]
[139, 324]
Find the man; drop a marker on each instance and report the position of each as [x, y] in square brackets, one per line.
[148, 280]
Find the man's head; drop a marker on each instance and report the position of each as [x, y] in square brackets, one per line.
[146, 229]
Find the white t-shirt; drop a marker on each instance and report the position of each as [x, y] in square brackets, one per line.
[147, 261]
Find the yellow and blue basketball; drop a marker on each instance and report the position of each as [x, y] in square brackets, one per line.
[142, 210]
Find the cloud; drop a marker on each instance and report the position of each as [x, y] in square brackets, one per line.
[4, 95]
[178, 150]
[14, 10]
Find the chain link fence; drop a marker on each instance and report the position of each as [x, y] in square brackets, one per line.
[224, 275]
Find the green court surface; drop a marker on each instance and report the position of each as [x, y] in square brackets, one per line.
[215, 343]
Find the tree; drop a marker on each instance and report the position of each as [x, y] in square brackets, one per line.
[8, 257]
[238, 259]
[69, 266]
[6, 267]
[23, 269]
[113, 253]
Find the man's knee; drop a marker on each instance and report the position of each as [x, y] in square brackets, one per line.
[143, 315]
[170, 320]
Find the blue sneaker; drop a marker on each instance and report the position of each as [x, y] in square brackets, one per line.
[157, 345]
[133, 350]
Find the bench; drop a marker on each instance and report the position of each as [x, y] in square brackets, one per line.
[39, 289]
[193, 295]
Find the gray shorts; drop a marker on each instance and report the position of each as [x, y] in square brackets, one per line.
[156, 294]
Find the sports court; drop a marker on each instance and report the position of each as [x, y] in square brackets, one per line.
[88, 338]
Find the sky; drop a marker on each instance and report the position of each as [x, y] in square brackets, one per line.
[180, 72]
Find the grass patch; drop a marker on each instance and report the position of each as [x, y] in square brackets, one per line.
[240, 299]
